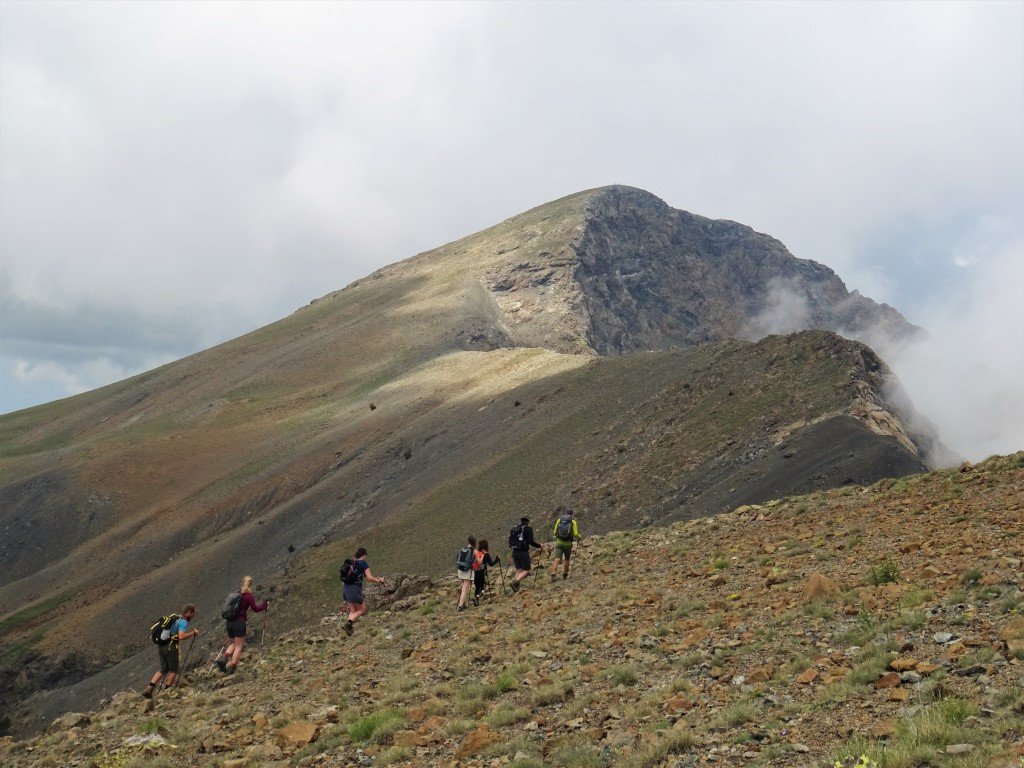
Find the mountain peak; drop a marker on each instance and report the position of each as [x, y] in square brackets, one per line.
[615, 270]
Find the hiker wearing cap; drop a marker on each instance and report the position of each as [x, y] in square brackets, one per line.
[520, 539]
[482, 556]
[236, 613]
[353, 573]
[167, 634]
[566, 533]
[465, 567]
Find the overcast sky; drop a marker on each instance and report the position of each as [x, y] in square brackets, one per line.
[176, 174]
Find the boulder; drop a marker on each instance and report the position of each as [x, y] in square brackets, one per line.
[477, 741]
[297, 734]
[69, 721]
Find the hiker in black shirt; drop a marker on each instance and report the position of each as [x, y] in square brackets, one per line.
[521, 539]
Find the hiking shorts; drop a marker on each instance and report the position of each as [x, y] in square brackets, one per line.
[563, 550]
[353, 594]
[236, 628]
[521, 559]
[465, 575]
[169, 658]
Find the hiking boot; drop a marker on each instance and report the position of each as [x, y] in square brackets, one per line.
[147, 693]
[230, 670]
[476, 600]
[222, 664]
[565, 576]
[347, 626]
[554, 578]
[515, 586]
[459, 608]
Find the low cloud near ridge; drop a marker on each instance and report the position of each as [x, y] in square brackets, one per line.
[176, 174]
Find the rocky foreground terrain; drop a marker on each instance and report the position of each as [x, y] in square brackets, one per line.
[884, 621]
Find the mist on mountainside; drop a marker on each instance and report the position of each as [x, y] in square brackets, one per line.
[964, 372]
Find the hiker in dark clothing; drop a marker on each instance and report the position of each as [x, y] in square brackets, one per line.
[356, 570]
[174, 629]
[483, 559]
[228, 658]
[521, 539]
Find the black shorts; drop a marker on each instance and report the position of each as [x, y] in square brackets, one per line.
[521, 559]
[236, 628]
[563, 550]
[169, 658]
[353, 594]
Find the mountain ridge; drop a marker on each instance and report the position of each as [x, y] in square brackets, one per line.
[415, 388]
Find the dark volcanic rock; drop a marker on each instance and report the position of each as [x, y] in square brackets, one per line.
[644, 276]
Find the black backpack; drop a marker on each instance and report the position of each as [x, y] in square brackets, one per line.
[232, 607]
[160, 632]
[564, 530]
[517, 537]
[349, 574]
[464, 560]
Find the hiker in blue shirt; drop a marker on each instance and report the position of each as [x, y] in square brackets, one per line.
[167, 634]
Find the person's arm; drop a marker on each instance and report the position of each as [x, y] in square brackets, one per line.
[370, 577]
[183, 631]
[533, 542]
[489, 561]
[249, 601]
[575, 532]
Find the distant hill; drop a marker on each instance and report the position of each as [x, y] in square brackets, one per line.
[589, 351]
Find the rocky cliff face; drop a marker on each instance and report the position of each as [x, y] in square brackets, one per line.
[640, 275]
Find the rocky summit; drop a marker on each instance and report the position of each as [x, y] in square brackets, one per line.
[879, 625]
[603, 350]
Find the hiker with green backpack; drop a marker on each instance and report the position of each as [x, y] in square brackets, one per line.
[167, 634]
[235, 613]
[566, 533]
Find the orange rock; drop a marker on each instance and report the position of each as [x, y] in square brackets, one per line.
[297, 734]
[761, 674]
[678, 705]
[903, 664]
[888, 680]
[808, 676]
[899, 694]
[478, 740]
[693, 638]
[926, 668]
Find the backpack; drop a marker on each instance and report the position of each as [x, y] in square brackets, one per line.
[232, 607]
[564, 530]
[160, 632]
[465, 561]
[349, 574]
[517, 537]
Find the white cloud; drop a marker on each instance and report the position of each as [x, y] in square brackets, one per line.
[163, 162]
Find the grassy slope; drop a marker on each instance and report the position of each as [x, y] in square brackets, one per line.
[682, 643]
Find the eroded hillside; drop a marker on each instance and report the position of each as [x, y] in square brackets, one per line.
[883, 621]
[466, 383]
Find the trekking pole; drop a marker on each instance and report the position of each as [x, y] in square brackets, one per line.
[501, 574]
[184, 664]
[263, 634]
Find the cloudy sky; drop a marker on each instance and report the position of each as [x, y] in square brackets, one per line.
[175, 174]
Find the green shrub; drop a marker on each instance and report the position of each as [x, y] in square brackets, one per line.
[371, 726]
[884, 573]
